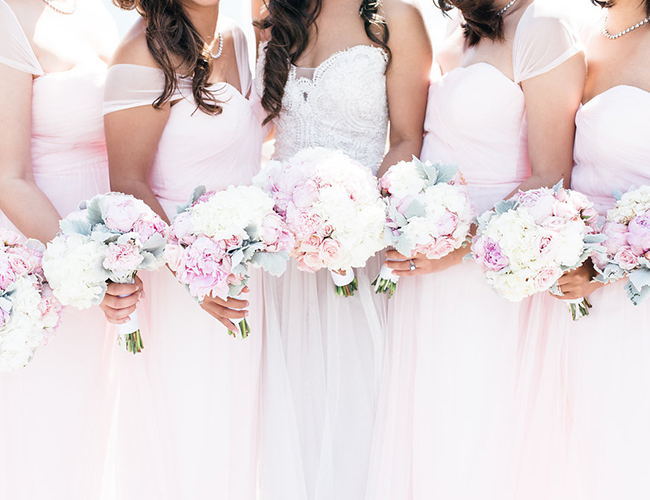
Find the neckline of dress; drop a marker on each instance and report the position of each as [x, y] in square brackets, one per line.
[612, 89]
[326, 62]
[491, 66]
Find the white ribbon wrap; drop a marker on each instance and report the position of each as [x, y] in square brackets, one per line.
[343, 279]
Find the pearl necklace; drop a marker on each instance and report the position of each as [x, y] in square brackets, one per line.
[624, 32]
[500, 13]
[60, 11]
[220, 51]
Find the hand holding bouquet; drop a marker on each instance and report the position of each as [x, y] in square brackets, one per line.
[332, 205]
[109, 238]
[429, 212]
[627, 247]
[28, 312]
[214, 239]
[525, 244]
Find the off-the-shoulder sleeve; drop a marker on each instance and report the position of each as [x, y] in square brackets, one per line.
[132, 86]
[243, 64]
[15, 50]
[545, 38]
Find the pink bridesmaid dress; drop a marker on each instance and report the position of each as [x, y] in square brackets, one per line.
[187, 415]
[609, 372]
[456, 368]
[52, 413]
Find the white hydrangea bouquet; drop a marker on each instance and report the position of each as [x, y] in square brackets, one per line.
[525, 244]
[109, 238]
[332, 205]
[219, 234]
[29, 314]
[627, 247]
[429, 212]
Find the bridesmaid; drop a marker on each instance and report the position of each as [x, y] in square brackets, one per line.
[609, 372]
[330, 76]
[459, 378]
[54, 413]
[177, 116]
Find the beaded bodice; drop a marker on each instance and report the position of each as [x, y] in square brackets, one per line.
[341, 104]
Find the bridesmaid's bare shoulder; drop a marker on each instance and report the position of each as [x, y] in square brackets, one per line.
[133, 48]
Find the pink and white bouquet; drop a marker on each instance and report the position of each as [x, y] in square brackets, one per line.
[627, 247]
[332, 205]
[219, 234]
[429, 212]
[109, 238]
[525, 244]
[29, 314]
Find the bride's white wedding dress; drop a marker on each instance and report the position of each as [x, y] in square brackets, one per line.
[320, 379]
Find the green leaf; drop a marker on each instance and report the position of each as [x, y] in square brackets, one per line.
[273, 263]
[416, 209]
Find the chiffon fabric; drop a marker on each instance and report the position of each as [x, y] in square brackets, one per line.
[460, 369]
[53, 413]
[187, 425]
[609, 373]
[321, 374]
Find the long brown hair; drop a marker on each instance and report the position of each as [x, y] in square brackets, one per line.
[481, 19]
[610, 3]
[177, 48]
[288, 23]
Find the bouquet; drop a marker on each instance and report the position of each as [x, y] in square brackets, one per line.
[214, 239]
[429, 212]
[626, 251]
[332, 205]
[29, 314]
[109, 238]
[525, 244]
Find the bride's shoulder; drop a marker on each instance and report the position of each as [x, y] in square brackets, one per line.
[401, 12]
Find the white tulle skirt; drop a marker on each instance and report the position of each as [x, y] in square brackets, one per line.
[320, 387]
[188, 410]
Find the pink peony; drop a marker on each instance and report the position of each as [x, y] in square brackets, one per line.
[7, 274]
[120, 215]
[639, 234]
[205, 268]
[626, 259]
[566, 211]
[438, 249]
[182, 229]
[447, 223]
[173, 255]
[305, 194]
[146, 226]
[276, 236]
[616, 236]
[123, 259]
[546, 278]
[488, 254]
[9, 237]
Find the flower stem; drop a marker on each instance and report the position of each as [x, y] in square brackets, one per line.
[347, 290]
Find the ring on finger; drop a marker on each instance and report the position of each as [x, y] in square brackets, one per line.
[412, 267]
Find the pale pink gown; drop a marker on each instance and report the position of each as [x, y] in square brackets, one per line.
[53, 412]
[609, 352]
[457, 367]
[188, 408]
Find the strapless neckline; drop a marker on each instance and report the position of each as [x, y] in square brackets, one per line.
[330, 60]
[478, 65]
[614, 89]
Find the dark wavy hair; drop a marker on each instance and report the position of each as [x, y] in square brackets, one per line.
[178, 49]
[481, 19]
[609, 3]
[288, 23]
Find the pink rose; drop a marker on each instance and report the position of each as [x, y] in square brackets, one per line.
[330, 251]
[146, 226]
[546, 278]
[325, 230]
[639, 234]
[181, 229]
[205, 268]
[590, 216]
[616, 236]
[554, 223]
[123, 259]
[235, 241]
[120, 215]
[579, 201]
[440, 248]
[173, 255]
[50, 310]
[24, 260]
[7, 274]
[309, 261]
[626, 259]
[488, 254]
[545, 244]
[565, 210]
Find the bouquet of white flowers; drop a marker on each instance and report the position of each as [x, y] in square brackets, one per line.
[29, 313]
[109, 238]
[429, 212]
[525, 244]
[627, 247]
[214, 239]
[332, 205]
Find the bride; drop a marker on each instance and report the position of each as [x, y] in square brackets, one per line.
[330, 76]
